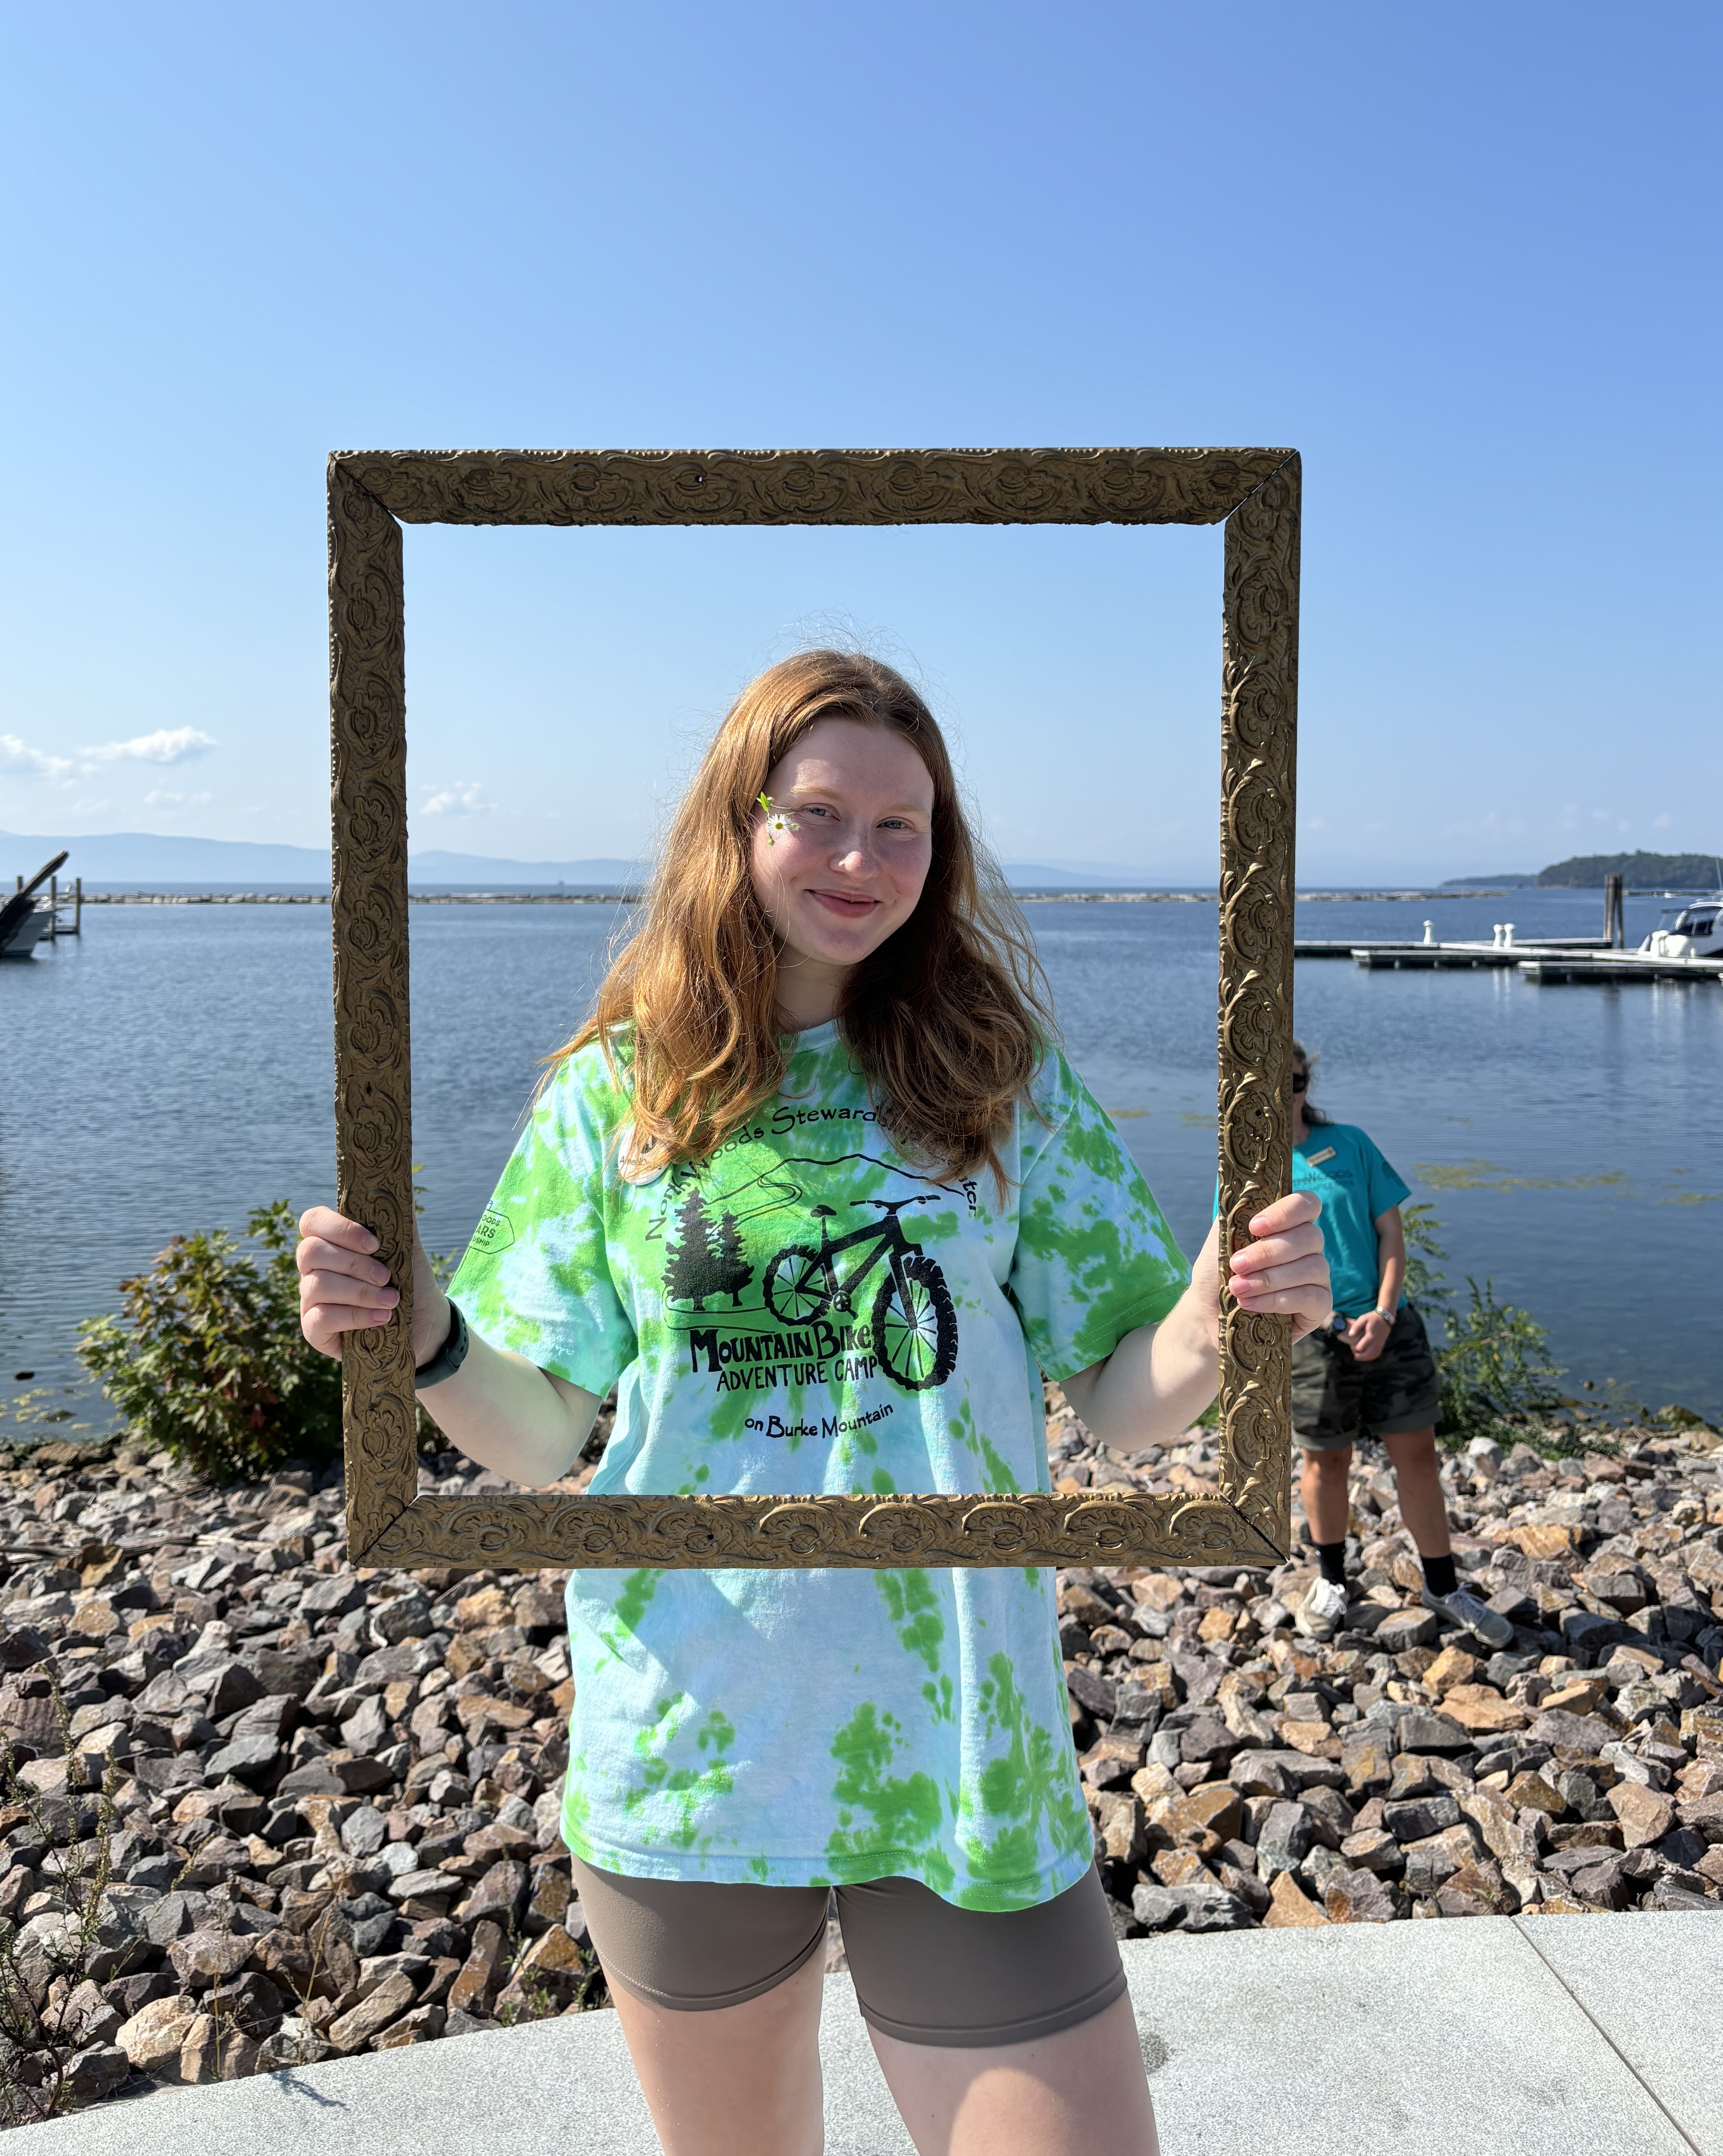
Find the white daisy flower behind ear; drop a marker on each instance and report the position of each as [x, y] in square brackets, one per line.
[776, 820]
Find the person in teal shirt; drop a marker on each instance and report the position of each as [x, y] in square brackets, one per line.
[1368, 1374]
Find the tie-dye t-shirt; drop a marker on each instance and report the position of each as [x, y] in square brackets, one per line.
[805, 1312]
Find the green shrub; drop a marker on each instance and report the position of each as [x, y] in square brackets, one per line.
[1427, 1289]
[1492, 1358]
[209, 1362]
[1493, 1364]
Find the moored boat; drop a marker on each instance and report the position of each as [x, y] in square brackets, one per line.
[23, 921]
[1693, 931]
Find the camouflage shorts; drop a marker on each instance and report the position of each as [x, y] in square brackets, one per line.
[1336, 1399]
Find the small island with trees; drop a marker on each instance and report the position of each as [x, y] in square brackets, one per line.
[1672, 872]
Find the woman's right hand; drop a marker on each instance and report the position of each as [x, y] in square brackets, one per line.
[343, 1287]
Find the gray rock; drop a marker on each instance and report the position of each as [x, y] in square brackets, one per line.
[250, 1757]
[367, 1729]
[1582, 1629]
[96, 2072]
[364, 1831]
[410, 1658]
[22, 1646]
[1092, 1690]
[1571, 1732]
[1434, 1860]
[156, 1873]
[220, 1681]
[1402, 1629]
[1419, 1731]
[1258, 1774]
[1415, 1817]
[1358, 1897]
[1301, 1771]
[165, 1773]
[425, 1887]
[1282, 1840]
[499, 1896]
[1137, 1708]
[333, 1596]
[1208, 1742]
[1321, 1866]
[407, 1616]
[287, 1672]
[166, 1694]
[1211, 1909]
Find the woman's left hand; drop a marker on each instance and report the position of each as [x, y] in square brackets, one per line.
[1284, 1271]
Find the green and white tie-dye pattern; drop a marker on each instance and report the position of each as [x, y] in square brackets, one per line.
[804, 1312]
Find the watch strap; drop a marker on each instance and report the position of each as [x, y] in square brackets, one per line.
[450, 1356]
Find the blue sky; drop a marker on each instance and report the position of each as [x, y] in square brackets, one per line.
[1464, 258]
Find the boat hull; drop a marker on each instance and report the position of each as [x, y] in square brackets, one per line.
[26, 936]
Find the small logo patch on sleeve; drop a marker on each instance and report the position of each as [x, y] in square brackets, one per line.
[495, 1232]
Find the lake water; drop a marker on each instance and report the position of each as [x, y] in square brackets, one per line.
[173, 1068]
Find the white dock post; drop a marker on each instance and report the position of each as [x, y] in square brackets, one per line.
[1429, 931]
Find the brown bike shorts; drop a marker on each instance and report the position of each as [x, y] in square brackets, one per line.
[1336, 1399]
[925, 1972]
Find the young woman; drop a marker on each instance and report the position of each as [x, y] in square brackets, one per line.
[816, 1192]
[1368, 1374]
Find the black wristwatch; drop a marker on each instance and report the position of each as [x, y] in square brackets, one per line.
[448, 1357]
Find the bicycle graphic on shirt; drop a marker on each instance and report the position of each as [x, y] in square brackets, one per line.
[912, 1321]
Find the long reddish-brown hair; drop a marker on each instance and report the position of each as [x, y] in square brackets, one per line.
[947, 1019]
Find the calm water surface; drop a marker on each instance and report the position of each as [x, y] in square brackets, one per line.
[173, 1069]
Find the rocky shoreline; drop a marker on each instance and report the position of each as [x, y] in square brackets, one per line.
[264, 1809]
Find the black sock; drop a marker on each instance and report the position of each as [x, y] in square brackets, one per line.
[1332, 1559]
[1439, 1575]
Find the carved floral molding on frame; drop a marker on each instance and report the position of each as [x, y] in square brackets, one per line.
[1255, 493]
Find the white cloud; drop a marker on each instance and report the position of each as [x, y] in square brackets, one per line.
[464, 797]
[18, 758]
[1661, 823]
[166, 745]
[158, 797]
[87, 808]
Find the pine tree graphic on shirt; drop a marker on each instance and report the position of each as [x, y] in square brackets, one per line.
[707, 1258]
[734, 1272]
[692, 1274]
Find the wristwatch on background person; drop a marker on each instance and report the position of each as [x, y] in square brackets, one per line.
[1380, 1312]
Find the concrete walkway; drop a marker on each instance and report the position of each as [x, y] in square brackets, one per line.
[1534, 2037]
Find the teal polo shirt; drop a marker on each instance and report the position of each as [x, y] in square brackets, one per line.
[1347, 1172]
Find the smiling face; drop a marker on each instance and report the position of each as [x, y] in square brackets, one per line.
[840, 865]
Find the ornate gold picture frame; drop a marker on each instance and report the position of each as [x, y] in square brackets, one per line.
[1256, 493]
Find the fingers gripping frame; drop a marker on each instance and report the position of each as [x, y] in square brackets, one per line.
[1256, 493]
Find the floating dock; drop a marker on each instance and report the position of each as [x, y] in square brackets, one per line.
[1427, 956]
[1619, 966]
[1556, 960]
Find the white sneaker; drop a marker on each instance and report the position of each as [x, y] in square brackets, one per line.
[1318, 1615]
[1464, 1609]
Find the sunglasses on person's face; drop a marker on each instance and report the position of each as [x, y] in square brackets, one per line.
[1300, 1080]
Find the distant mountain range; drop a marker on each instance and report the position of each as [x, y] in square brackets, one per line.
[147, 857]
[137, 858]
